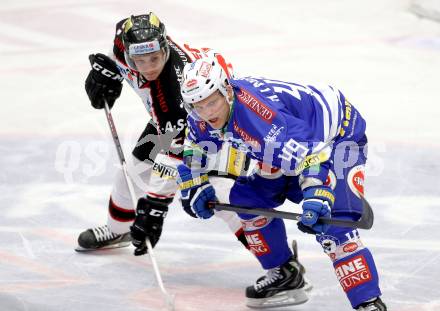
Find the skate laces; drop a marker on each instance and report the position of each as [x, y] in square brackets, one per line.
[271, 276]
[103, 233]
[374, 304]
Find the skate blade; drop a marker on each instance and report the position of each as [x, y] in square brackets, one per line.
[308, 286]
[112, 246]
[286, 298]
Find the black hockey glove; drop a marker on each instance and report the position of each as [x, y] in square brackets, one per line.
[103, 81]
[150, 214]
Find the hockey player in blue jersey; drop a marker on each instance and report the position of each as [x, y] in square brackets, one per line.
[310, 144]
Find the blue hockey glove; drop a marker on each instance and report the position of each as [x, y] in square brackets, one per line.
[318, 201]
[196, 192]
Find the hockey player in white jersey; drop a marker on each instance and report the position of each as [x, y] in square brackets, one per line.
[152, 64]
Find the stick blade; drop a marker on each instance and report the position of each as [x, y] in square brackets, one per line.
[367, 219]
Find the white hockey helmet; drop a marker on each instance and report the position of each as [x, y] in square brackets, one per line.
[201, 79]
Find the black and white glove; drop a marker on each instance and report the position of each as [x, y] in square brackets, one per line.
[104, 81]
[148, 223]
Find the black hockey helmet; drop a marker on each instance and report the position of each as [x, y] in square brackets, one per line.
[144, 34]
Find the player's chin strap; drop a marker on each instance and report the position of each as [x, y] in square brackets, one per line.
[169, 299]
[365, 222]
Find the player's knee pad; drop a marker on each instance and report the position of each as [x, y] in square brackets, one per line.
[353, 263]
[267, 239]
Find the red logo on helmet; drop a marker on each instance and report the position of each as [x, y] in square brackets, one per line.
[205, 69]
[191, 83]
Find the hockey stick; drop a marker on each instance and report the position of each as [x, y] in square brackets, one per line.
[169, 299]
[365, 222]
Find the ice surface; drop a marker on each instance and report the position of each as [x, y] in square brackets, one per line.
[57, 158]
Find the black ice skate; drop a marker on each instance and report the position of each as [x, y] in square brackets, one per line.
[281, 286]
[374, 305]
[101, 238]
[307, 283]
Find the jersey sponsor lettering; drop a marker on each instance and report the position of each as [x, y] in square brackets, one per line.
[179, 74]
[197, 53]
[247, 137]
[257, 244]
[255, 105]
[347, 118]
[164, 171]
[179, 51]
[161, 97]
[170, 127]
[353, 272]
[273, 133]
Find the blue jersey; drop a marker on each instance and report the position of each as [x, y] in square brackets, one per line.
[285, 125]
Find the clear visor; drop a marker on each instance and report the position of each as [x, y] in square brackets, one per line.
[189, 107]
[199, 109]
[146, 61]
